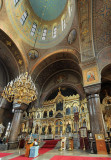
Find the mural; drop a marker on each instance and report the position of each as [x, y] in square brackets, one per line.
[72, 36]
[33, 54]
[90, 76]
[101, 24]
[28, 33]
[84, 11]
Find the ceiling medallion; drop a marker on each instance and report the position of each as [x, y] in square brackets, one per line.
[33, 54]
[72, 36]
[1, 3]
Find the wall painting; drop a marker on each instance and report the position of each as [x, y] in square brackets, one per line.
[90, 76]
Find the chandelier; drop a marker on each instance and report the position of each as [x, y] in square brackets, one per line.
[20, 90]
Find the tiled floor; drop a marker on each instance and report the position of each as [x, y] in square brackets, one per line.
[50, 154]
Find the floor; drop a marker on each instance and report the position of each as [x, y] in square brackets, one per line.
[50, 154]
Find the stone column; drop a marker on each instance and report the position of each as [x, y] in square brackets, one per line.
[13, 143]
[15, 125]
[4, 104]
[2, 110]
[18, 113]
[95, 111]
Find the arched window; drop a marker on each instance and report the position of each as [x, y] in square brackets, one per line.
[24, 17]
[44, 34]
[63, 24]
[33, 29]
[15, 2]
[69, 10]
[54, 34]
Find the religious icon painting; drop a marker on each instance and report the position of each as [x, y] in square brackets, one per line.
[91, 76]
[72, 36]
[33, 54]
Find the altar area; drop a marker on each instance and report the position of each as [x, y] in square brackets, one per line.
[59, 117]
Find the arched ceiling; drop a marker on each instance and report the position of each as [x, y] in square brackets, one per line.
[51, 69]
[56, 67]
[48, 9]
[106, 74]
[57, 56]
[11, 56]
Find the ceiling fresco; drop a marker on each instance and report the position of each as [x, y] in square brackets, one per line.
[36, 31]
[48, 9]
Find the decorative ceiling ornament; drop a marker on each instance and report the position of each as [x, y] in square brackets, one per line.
[20, 90]
[1, 3]
[33, 54]
[72, 36]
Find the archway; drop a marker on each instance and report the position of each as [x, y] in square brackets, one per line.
[105, 96]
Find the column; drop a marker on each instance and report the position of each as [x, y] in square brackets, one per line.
[13, 143]
[95, 111]
[3, 106]
[2, 110]
[18, 113]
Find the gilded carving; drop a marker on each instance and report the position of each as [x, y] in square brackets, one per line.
[61, 121]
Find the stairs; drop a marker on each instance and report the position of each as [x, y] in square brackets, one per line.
[50, 143]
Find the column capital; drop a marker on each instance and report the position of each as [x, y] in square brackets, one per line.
[17, 106]
[93, 96]
[18, 111]
[92, 89]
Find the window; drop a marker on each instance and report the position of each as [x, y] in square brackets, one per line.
[54, 32]
[33, 29]
[24, 17]
[63, 24]
[44, 34]
[69, 9]
[15, 2]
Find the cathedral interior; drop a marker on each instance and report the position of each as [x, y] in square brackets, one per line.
[55, 65]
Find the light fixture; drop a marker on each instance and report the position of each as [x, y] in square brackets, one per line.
[20, 90]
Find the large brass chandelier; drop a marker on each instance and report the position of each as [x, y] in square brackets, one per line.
[20, 90]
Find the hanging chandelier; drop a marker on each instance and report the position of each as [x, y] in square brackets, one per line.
[20, 90]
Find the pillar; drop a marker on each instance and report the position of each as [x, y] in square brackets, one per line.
[4, 111]
[18, 113]
[4, 104]
[13, 143]
[95, 110]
